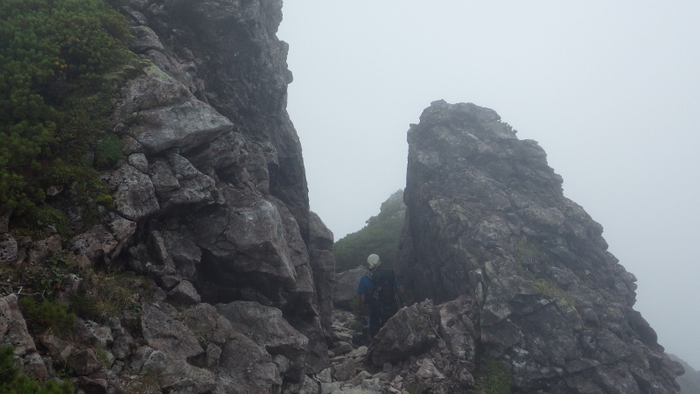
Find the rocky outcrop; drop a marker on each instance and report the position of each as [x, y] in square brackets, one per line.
[487, 220]
[211, 206]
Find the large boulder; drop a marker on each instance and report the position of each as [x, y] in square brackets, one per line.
[246, 367]
[163, 331]
[345, 295]
[267, 328]
[246, 238]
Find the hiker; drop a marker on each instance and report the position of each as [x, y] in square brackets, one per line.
[379, 289]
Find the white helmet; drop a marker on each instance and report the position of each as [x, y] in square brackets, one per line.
[373, 261]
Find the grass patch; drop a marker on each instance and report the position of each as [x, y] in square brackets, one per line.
[492, 377]
[105, 295]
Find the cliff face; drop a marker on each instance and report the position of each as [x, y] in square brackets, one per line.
[211, 205]
[487, 222]
[209, 129]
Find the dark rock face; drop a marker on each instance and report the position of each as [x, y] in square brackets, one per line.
[487, 219]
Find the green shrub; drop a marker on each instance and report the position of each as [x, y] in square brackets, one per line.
[54, 103]
[45, 215]
[381, 236]
[53, 315]
[47, 278]
[8, 370]
[12, 382]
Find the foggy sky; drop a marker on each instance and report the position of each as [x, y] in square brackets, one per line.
[610, 90]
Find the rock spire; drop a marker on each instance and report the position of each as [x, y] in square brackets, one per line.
[487, 220]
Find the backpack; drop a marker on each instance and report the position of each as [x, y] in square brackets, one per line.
[384, 291]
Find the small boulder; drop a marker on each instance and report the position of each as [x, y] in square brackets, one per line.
[85, 362]
[185, 293]
[8, 248]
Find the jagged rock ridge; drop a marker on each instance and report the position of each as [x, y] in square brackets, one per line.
[488, 225]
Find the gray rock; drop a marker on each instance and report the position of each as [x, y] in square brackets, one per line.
[94, 244]
[122, 230]
[247, 367]
[139, 161]
[342, 348]
[90, 333]
[282, 363]
[139, 5]
[409, 332]
[346, 287]
[309, 386]
[359, 379]
[168, 282]
[192, 185]
[457, 327]
[183, 251]
[93, 385]
[34, 367]
[139, 357]
[85, 362]
[167, 334]
[13, 327]
[266, 327]
[122, 347]
[322, 264]
[136, 17]
[184, 126]
[8, 248]
[328, 388]
[373, 385]
[133, 191]
[152, 89]
[185, 293]
[248, 236]
[181, 377]
[57, 348]
[155, 363]
[213, 356]
[346, 370]
[163, 177]
[207, 323]
[39, 251]
[144, 39]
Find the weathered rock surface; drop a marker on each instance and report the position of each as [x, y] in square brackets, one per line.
[487, 219]
[210, 205]
[346, 287]
[266, 327]
[13, 332]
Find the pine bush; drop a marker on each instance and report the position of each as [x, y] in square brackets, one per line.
[52, 56]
